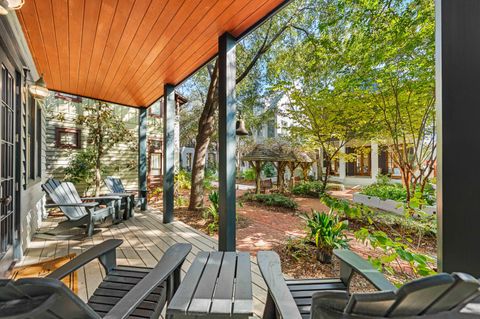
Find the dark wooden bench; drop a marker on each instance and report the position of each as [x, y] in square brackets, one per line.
[126, 292]
[439, 296]
[265, 184]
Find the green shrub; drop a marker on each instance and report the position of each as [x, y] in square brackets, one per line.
[391, 191]
[269, 170]
[396, 245]
[81, 168]
[249, 174]
[310, 189]
[210, 177]
[277, 200]
[397, 192]
[183, 180]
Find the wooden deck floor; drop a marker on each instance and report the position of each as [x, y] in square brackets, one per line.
[145, 238]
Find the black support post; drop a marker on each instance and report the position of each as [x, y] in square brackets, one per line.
[227, 142]
[458, 114]
[168, 151]
[142, 157]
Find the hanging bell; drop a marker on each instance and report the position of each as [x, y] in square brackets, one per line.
[240, 128]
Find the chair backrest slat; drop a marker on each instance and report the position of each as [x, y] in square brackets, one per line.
[416, 296]
[371, 304]
[114, 184]
[41, 298]
[464, 288]
[65, 193]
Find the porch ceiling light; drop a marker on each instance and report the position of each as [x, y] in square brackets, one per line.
[39, 89]
[8, 5]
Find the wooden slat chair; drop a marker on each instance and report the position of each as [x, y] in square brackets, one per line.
[126, 292]
[80, 211]
[439, 296]
[116, 188]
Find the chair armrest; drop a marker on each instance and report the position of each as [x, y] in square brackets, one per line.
[269, 264]
[104, 251]
[109, 197]
[87, 205]
[120, 194]
[351, 262]
[171, 260]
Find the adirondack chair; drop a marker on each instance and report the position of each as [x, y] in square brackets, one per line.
[79, 211]
[439, 296]
[126, 292]
[115, 186]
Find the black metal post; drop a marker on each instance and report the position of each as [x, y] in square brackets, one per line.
[142, 157]
[458, 114]
[168, 151]
[227, 142]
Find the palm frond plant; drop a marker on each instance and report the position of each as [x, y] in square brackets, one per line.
[328, 233]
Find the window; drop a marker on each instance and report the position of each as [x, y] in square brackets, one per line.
[271, 128]
[361, 166]
[67, 137]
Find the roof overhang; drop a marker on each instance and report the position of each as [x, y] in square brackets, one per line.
[124, 51]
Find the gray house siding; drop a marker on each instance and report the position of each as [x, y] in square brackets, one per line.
[120, 161]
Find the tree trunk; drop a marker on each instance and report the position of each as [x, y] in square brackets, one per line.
[291, 168]
[281, 176]
[319, 165]
[258, 170]
[206, 127]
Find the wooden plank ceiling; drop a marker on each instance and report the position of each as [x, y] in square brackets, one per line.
[123, 51]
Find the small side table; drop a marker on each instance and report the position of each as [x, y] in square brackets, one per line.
[217, 285]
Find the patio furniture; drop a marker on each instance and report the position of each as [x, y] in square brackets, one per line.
[126, 292]
[115, 186]
[79, 211]
[218, 284]
[329, 298]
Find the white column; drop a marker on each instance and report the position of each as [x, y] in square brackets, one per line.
[374, 160]
[342, 169]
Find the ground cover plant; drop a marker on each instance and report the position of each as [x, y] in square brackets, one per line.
[276, 200]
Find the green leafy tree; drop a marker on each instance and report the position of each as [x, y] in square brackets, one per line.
[105, 130]
[398, 72]
[249, 53]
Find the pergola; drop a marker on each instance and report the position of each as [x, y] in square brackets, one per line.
[134, 52]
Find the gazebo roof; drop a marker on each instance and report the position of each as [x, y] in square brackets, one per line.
[302, 157]
[262, 152]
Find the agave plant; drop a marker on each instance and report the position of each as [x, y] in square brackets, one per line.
[328, 232]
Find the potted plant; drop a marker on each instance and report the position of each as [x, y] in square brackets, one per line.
[328, 232]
